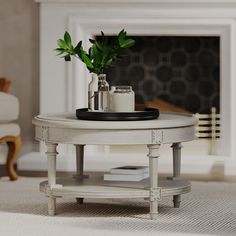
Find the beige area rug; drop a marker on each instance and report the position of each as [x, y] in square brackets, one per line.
[210, 209]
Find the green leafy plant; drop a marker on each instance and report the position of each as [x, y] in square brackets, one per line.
[103, 52]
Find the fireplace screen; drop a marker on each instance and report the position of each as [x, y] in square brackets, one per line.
[177, 73]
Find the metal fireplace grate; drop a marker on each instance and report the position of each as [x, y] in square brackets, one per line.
[208, 127]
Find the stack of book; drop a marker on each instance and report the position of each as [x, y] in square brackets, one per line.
[128, 173]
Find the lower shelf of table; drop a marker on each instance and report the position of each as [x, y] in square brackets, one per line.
[96, 187]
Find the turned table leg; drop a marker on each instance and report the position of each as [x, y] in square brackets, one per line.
[51, 156]
[79, 166]
[14, 145]
[155, 192]
[176, 170]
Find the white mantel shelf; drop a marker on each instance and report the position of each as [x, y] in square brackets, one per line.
[86, 18]
[140, 1]
[212, 4]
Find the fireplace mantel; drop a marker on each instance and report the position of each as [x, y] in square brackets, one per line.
[63, 86]
[213, 2]
[177, 4]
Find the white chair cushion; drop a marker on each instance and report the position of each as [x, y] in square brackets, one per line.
[9, 107]
[10, 129]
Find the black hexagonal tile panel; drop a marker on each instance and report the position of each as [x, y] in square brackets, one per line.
[181, 70]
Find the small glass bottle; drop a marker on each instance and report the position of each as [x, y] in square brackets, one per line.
[92, 92]
[122, 99]
[102, 103]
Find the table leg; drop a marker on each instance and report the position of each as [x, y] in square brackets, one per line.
[155, 193]
[79, 166]
[51, 156]
[176, 169]
[79, 161]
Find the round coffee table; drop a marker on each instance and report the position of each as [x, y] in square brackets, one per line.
[67, 129]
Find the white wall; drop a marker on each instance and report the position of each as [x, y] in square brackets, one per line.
[19, 52]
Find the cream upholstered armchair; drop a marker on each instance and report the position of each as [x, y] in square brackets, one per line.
[9, 130]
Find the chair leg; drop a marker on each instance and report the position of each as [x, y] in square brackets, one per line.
[14, 145]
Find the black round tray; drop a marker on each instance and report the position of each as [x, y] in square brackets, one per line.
[147, 114]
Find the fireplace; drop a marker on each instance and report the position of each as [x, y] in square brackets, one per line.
[183, 71]
[177, 18]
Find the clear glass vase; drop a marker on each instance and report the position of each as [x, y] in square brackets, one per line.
[102, 98]
[92, 92]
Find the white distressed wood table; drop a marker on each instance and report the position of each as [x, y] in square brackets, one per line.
[65, 128]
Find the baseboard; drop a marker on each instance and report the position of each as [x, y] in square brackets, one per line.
[28, 146]
[213, 166]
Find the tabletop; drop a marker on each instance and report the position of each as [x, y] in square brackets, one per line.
[69, 120]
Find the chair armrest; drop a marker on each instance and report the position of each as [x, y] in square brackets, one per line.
[4, 85]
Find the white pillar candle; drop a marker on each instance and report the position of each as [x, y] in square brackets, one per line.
[121, 99]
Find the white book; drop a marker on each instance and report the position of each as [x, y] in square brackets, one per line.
[131, 170]
[123, 177]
